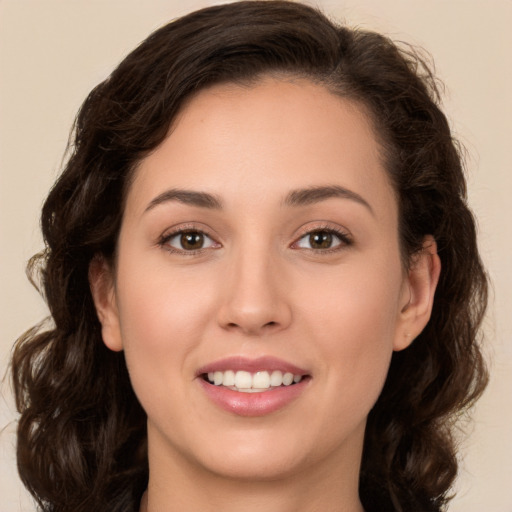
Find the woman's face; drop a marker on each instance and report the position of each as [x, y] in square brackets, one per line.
[260, 240]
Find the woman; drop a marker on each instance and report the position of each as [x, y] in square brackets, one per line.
[242, 256]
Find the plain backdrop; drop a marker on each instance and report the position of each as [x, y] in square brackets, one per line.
[52, 52]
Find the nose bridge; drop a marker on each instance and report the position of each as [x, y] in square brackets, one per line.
[254, 299]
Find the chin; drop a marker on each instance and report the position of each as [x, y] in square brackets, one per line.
[259, 467]
[263, 455]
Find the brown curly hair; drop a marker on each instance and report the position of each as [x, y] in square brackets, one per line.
[82, 432]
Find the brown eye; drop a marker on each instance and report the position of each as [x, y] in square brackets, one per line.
[190, 241]
[320, 240]
[323, 240]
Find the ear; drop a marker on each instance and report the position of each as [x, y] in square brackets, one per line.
[418, 294]
[101, 282]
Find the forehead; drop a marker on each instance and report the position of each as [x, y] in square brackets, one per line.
[273, 135]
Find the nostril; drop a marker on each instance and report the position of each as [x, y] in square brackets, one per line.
[233, 325]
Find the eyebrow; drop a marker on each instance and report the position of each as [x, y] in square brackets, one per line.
[190, 197]
[311, 195]
[299, 197]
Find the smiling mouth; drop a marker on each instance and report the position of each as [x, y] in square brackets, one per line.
[249, 382]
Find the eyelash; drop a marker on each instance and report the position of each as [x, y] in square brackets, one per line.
[344, 238]
[180, 231]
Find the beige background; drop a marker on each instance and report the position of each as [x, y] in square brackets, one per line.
[52, 52]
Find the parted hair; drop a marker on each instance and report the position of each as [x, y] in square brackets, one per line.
[82, 441]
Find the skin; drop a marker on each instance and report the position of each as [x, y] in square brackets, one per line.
[257, 288]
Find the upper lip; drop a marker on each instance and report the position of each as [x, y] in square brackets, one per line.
[241, 363]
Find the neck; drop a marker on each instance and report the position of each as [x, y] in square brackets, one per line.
[329, 487]
[249, 498]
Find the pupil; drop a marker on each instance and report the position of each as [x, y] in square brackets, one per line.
[320, 240]
[192, 240]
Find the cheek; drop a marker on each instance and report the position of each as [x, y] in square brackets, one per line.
[358, 303]
[162, 318]
[353, 318]
[160, 307]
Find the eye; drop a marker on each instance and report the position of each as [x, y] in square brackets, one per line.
[189, 241]
[323, 239]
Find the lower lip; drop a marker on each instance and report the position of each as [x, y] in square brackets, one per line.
[253, 404]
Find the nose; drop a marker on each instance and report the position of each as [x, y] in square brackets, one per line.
[255, 300]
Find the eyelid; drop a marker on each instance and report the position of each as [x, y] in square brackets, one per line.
[341, 233]
[170, 233]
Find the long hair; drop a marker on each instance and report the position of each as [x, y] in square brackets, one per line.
[82, 433]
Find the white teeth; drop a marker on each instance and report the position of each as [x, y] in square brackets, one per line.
[243, 380]
[276, 379]
[287, 379]
[218, 378]
[252, 382]
[229, 378]
[261, 380]
[250, 390]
